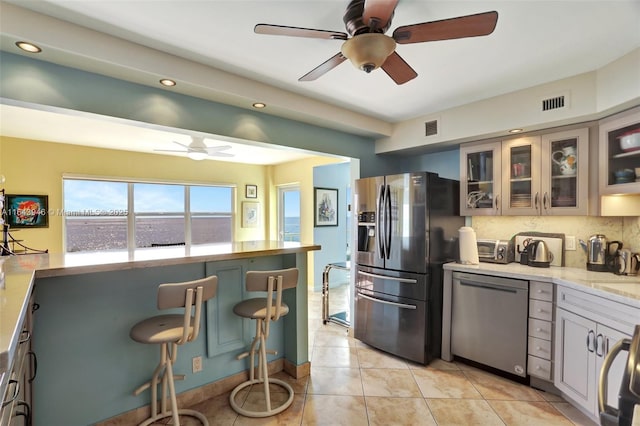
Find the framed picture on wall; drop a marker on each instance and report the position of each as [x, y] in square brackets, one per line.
[250, 214]
[325, 202]
[251, 191]
[27, 211]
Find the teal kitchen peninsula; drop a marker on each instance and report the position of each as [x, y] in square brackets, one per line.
[88, 367]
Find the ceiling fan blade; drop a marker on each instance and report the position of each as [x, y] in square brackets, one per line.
[379, 10]
[217, 149]
[463, 26]
[298, 32]
[398, 69]
[220, 154]
[323, 68]
[181, 144]
[170, 150]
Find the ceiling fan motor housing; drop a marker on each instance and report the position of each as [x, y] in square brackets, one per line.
[353, 20]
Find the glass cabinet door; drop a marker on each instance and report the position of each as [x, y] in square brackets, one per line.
[480, 179]
[620, 154]
[521, 193]
[564, 172]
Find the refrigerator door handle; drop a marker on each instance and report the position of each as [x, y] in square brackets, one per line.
[386, 302]
[385, 277]
[388, 222]
[380, 222]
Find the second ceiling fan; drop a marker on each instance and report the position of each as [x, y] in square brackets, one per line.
[368, 48]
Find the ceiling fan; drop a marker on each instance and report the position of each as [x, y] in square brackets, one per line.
[368, 48]
[198, 150]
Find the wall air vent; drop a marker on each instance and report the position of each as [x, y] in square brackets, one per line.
[431, 128]
[556, 102]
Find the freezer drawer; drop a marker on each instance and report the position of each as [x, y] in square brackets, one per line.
[393, 324]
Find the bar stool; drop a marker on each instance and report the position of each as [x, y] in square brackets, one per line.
[264, 310]
[169, 331]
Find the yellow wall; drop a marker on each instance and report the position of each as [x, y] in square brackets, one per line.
[298, 172]
[35, 167]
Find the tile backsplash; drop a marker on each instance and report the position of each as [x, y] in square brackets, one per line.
[625, 229]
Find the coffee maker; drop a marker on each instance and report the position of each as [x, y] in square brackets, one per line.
[600, 253]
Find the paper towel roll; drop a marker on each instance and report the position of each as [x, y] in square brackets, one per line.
[468, 246]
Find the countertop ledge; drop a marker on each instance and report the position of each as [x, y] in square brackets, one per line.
[64, 264]
[620, 288]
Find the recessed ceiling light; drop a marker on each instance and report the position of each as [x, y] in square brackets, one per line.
[167, 82]
[515, 130]
[28, 47]
[259, 105]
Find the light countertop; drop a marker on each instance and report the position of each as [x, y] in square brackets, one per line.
[620, 288]
[20, 271]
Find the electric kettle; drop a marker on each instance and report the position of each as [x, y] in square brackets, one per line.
[599, 253]
[538, 254]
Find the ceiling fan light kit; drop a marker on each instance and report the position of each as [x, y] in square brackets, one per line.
[368, 51]
[368, 48]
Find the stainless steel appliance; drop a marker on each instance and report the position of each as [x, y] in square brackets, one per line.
[489, 321]
[407, 228]
[538, 254]
[600, 253]
[495, 251]
[629, 394]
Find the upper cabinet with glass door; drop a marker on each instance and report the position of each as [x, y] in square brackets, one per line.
[521, 177]
[620, 153]
[565, 166]
[480, 178]
[547, 174]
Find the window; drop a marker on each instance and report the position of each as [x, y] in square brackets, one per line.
[102, 215]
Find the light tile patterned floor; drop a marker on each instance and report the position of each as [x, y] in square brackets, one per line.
[354, 384]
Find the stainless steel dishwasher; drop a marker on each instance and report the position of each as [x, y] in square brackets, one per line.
[489, 321]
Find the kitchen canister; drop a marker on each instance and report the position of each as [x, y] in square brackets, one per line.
[468, 246]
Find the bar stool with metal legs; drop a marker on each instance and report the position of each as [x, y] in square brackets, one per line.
[170, 331]
[264, 310]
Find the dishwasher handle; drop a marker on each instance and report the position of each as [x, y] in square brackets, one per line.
[488, 286]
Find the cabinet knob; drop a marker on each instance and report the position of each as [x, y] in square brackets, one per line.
[538, 348]
[538, 329]
[538, 367]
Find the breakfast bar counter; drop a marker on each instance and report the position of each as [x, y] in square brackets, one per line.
[88, 302]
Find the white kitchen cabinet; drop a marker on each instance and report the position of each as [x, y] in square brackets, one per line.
[547, 175]
[541, 309]
[480, 177]
[530, 175]
[586, 328]
[613, 158]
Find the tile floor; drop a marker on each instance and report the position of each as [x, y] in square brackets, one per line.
[354, 384]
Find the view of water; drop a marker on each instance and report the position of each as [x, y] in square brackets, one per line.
[89, 234]
[291, 229]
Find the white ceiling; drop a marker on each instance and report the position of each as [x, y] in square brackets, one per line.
[534, 42]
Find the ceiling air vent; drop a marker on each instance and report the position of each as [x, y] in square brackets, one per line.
[556, 102]
[431, 128]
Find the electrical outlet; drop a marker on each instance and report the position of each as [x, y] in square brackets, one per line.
[196, 364]
[570, 243]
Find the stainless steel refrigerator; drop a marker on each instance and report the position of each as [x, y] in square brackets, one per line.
[407, 227]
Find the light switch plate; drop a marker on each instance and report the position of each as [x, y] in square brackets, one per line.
[554, 245]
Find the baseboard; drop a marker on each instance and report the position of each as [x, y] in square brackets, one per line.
[210, 390]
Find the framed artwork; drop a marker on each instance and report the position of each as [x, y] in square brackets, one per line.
[250, 214]
[325, 201]
[251, 191]
[27, 211]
